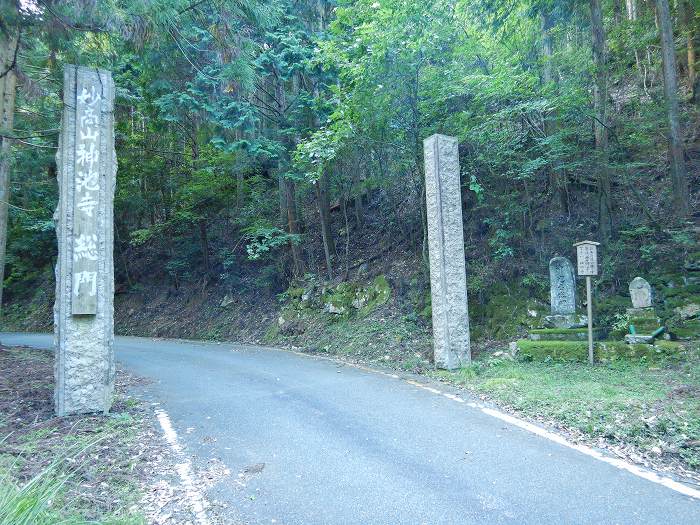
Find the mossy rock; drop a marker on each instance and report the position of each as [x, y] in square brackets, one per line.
[553, 350]
[605, 351]
[680, 297]
[687, 329]
[381, 290]
[682, 291]
[295, 292]
[692, 262]
[563, 334]
[667, 280]
[505, 316]
[348, 297]
[368, 299]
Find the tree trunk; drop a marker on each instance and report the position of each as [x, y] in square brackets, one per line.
[617, 11]
[557, 179]
[322, 186]
[631, 9]
[286, 186]
[689, 22]
[359, 211]
[239, 174]
[679, 180]
[546, 28]
[204, 239]
[600, 97]
[321, 190]
[7, 116]
[290, 192]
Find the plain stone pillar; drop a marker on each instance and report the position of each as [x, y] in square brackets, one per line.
[448, 279]
[84, 308]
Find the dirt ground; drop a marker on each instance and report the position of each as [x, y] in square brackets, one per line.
[119, 467]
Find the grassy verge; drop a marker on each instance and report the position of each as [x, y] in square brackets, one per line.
[648, 413]
[63, 470]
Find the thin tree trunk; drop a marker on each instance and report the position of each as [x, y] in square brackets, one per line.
[600, 97]
[292, 227]
[322, 186]
[239, 175]
[7, 115]
[617, 11]
[689, 22]
[679, 180]
[347, 238]
[324, 213]
[286, 186]
[204, 239]
[359, 212]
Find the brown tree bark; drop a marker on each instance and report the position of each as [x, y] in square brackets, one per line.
[287, 187]
[322, 186]
[204, 240]
[239, 174]
[600, 128]
[321, 190]
[557, 179]
[679, 178]
[689, 23]
[8, 84]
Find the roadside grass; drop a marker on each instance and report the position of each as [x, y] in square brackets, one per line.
[655, 408]
[74, 470]
[383, 336]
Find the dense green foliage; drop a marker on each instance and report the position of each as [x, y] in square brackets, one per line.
[241, 124]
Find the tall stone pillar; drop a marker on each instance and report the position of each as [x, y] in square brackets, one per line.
[84, 308]
[448, 280]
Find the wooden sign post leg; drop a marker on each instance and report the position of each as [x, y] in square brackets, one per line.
[589, 304]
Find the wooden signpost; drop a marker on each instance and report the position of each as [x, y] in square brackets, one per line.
[587, 262]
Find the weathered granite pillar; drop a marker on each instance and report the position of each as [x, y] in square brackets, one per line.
[448, 280]
[84, 312]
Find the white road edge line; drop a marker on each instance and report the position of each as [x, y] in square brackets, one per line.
[615, 462]
[539, 431]
[184, 469]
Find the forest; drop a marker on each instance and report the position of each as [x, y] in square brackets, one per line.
[271, 253]
[266, 144]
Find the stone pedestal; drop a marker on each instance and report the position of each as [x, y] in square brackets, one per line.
[448, 283]
[84, 312]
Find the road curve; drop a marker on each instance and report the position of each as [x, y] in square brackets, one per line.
[347, 446]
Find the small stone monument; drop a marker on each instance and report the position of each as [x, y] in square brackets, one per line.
[644, 324]
[84, 312]
[562, 295]
[640, 291]
[448, 284]
[563, 324]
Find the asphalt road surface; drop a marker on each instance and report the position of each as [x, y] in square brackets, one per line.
[316, 442]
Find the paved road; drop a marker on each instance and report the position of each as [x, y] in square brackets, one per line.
[347, 446]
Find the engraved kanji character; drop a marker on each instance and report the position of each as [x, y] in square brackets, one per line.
[85, 247]
[88, 278]
[87, 205]
[86, 181]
